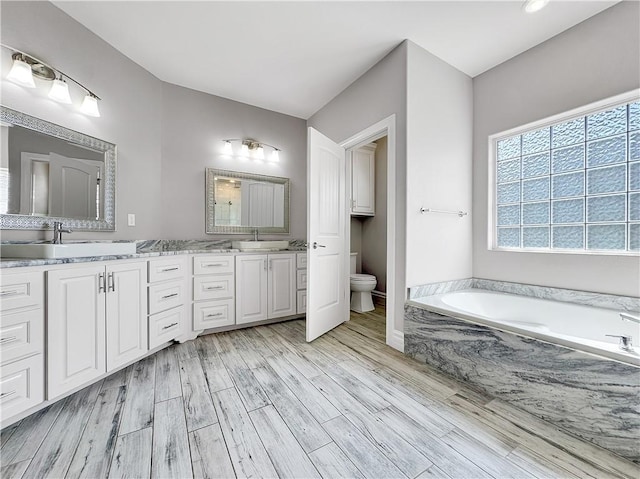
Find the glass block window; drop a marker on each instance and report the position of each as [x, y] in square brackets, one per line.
[572, 185]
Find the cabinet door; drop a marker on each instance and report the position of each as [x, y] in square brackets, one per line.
[251, 288]
[363, 181]
[281, 285]
[75, 327]
[126, 313]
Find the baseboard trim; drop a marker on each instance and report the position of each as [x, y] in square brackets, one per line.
[397, 340]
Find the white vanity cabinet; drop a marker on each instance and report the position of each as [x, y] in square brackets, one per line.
[213, 291]
[363, 180]
[167, 296]
[265, 287]
[21, 341]
[96, 321]
[301, 282]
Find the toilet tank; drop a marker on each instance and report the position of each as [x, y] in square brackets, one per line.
[352, 263]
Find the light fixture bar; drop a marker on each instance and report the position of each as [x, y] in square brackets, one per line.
[38, 61]
[251, 147]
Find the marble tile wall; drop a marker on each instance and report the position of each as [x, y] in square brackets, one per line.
[599, 300]
[594, 398]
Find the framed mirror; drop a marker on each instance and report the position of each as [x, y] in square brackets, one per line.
[50, 173]
[238, 203]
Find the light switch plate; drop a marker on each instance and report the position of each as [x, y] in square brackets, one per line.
[131, 219]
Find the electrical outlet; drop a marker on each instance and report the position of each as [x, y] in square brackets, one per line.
[131, 219]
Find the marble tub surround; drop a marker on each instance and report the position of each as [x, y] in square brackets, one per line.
[591, 397]
[440, 288]
[144, 246]
[587, 298]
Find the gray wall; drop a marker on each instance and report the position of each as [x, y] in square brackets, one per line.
[594, 60]
[374, 228]
[193, 127]
[166, 135]
[379, 93]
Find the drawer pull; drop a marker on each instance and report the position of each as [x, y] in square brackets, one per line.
[170, 295]
[9, 293]
[169, 269]
[211, 265]
[5, 395]
[9, 339]
[213, 315]
[210, 288]
[169, 326]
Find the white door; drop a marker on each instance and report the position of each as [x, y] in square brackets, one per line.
[126, 313]
[73, 187]
[75, 327]
[251, 288]
[281, 285]
[327, 285]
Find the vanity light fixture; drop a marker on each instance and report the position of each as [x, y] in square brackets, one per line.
[25, 67]
[251, 148]
[60, 91]
[20, 72]
[532, 6]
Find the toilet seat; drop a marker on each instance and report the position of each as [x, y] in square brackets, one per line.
[362, 277]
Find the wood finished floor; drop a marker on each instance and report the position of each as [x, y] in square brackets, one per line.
[261, 402]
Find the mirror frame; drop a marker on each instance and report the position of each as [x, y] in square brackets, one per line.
[29, 222]
[210, 219]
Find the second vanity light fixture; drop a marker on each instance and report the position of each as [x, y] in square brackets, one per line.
[251, 149]
[26, 66]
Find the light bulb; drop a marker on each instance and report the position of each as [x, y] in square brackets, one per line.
[60, 91]
[532, 6]
[275, 156]
[227, 149]
[20, 73]
[259, 155]
[244, 150]
[90, 105]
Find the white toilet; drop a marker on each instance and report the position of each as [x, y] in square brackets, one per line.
[361, 287]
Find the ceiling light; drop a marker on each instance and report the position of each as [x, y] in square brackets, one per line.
[21, 72]
[227, 149]
[532, 6]
[90, 105]
[275, 156]
[60, 91]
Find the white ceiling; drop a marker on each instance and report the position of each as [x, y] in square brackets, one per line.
[294, 57]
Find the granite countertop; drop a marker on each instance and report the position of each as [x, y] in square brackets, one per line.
[151, 249]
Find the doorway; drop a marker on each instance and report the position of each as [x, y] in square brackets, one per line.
[376, 250]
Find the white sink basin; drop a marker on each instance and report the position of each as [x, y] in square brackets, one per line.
[67, 250]
[260, 245]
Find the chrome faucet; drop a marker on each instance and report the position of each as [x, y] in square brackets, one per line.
[57, 232]
[255, 234]
[626, 342]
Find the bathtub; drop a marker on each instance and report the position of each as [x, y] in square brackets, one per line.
[549, 358]
[584, 328]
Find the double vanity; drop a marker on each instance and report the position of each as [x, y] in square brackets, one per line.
[66, 323]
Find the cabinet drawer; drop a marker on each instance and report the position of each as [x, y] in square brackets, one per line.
[301, 279]
[301, 260]
[165, 269]
[166, 296]
[21, 334]
[213, 264]
[166, 326]
[214, 314]
[21, 290]
[21, 385]
[213, 287]
[302, 302]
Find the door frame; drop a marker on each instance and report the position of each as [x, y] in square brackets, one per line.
[385, 127]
